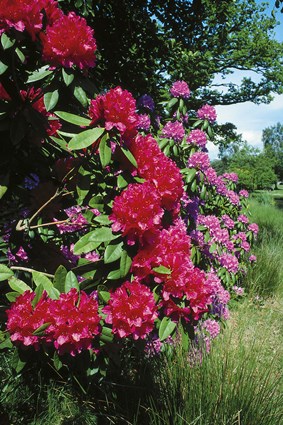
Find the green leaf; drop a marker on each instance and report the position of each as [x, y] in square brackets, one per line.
[113, 253]
[213, 247]
[68, 78]
[166, 328]
[12, 296]
[172, 102]
[6, 41]
[93, 239]
[20, 55]
[6, 344]
[40, 279]
[60, 142]
[83, 185]
[121, 181]
[125, 263]
[130, 156]
[114, 275]
[104, 296]
[57, 362]
[73, 119]
[105, 151]
[71, 282]
[51, 99]
[102, 219]
[3, 68]
[38, 293]
[5, 272]
[16, 362]
[106, 335]
[40, 330]
[85, 139]
[190, 175]
[81, 96]
[39, 74]
[59, 279]
[18, 285]
[161, 270]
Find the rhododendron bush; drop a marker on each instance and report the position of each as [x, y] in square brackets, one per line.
[115, 227]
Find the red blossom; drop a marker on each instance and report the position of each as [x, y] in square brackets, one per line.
[131, 310]
[155, 166]
[73, 321]
[116, 109]
[137, 212]
[69, 41]
[169, 247]
[27, 15]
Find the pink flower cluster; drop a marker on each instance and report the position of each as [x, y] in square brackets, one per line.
[173, 130]
[116, 109]
[180, 89]
[229, 262]
[76, 221]
[207, 112]
[198, 138]
[233, 177]
[131, 310]
[72, 321]
[199, 160]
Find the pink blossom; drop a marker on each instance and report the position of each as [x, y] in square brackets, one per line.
[252, 258]
[244, 193]
[243, 219]
[207, 112]
[212, 327]
[180, 89]
[199, 160]
[228, 222]
[253, 227]
[233, 177]
[173, 130]
[238, 290]
[230, 262]
[144, 122]
[197, 137]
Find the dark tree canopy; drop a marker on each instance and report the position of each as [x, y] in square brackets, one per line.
[146, 44]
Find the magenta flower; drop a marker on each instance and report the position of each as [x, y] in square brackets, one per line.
[207, 112]
[173, 130]
[199, 160]
[244, 193]
[144, 122]
[180, 89]
[197, 137]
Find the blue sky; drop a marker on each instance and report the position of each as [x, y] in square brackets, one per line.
[251, 119]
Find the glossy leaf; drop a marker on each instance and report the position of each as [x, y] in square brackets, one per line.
[166, 328]
[71, 281]
[105, 151]
[5, 272]
[59, 278]
[93, 239]
[73, 119]
[51, 100]
[85, 139]
[18, 285]
[39, 74]
[113, 253]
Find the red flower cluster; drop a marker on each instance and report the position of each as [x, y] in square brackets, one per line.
[155, 166]
[73, 321]
[185, 282]
[168, 246]
[131, 310]
[69, 41]
[116, 109]
[27, 15]
[137, 212]
[35, 97]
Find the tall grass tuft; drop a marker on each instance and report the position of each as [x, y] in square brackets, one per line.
[238, 383]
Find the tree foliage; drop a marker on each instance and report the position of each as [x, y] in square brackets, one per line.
[272, 138]
[146, 44]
